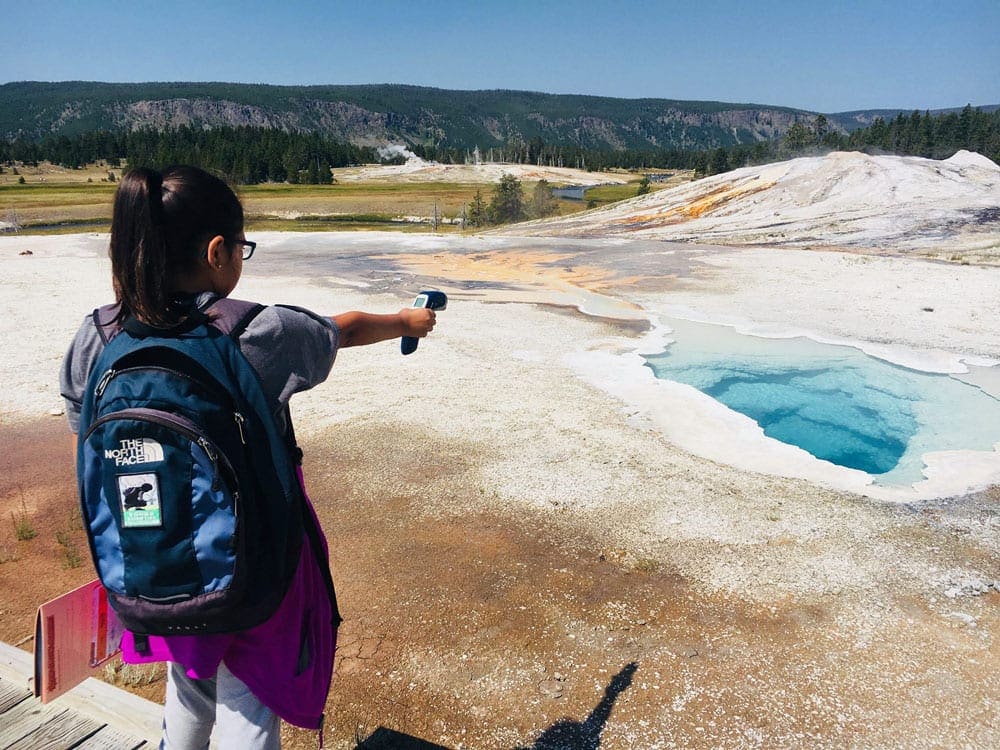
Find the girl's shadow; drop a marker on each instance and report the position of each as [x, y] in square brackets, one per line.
[567, 734]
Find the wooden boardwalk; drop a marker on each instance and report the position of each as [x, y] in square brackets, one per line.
[93, 716]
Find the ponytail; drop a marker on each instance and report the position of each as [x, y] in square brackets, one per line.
[158, 227]
[138, 248]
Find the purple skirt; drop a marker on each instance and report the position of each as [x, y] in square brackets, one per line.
[287, 662]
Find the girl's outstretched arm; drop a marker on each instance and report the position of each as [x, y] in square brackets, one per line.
[361, 328]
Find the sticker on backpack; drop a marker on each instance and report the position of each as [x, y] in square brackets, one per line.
[139, 495]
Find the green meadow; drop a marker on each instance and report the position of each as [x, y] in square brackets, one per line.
[54, 200]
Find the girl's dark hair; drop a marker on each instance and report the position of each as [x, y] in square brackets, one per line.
[160, 225]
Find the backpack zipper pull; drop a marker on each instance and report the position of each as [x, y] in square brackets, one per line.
[103, 382]
[240, 420]
[206, 446]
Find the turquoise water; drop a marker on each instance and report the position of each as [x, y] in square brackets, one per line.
[835, 402]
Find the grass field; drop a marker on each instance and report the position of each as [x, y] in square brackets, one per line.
[612, 193]
[55, 200]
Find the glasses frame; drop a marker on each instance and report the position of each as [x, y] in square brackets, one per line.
[247, 247]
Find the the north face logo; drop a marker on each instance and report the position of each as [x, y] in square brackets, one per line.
[136, 451]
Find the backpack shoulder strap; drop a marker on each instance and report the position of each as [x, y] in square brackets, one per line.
[229, 316]
[106, 322]
[109, 324]
[232, 316]
[138, 330]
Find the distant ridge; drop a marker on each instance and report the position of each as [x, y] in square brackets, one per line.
[378, 114]
[389, 113]
[862, 118]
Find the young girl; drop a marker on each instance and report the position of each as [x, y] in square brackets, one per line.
[177, 246]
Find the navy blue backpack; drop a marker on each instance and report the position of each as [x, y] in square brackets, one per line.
[188, 489]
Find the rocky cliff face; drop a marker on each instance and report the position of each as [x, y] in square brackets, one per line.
[197, 112]
[339, 120]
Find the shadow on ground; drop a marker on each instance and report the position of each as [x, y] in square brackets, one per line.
[565, 734]
[389, 739]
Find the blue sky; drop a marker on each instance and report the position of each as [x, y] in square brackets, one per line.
[823, 56]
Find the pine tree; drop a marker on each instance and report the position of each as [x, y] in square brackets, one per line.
[798, 137]
[719, 162]
[478, 213]
[312, 172]
[507, 204]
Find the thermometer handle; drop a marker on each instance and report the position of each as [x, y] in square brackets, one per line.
[431, 299]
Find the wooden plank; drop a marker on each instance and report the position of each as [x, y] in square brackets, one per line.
[62, 730]
[16, 665]
[118, 708]
[21, 719]
[31, 726]
[11, 694]
[65, 733]
[106, 703]
[110, 738]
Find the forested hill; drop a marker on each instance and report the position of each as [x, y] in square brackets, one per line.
[374, 115]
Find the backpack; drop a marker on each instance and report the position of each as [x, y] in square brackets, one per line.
[188, 489]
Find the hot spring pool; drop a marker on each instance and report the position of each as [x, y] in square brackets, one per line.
[835, 402]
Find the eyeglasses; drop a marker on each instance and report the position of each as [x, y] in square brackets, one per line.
[248, 248]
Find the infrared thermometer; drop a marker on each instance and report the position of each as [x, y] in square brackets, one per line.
[433, 300]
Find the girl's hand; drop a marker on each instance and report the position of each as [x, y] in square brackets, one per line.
[417, 321]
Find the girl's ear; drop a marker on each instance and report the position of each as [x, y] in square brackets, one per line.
[215, 253]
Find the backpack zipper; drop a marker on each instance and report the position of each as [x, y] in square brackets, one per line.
[103, 383]
[218, 394]
[178, 425]
[214, 458]
[112, 373]
[240, 421]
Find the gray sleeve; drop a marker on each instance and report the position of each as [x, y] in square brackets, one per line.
[76, 366]
[292, 350]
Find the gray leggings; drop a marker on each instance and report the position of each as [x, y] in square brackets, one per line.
[193, 707]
